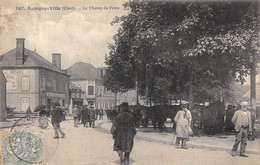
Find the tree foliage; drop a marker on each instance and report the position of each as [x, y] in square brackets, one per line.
[166, 46]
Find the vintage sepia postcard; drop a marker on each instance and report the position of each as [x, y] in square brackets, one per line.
[140, 82]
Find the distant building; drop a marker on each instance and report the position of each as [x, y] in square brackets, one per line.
[129, 96]
[32, 80]
[105, 99]
[90, 80]
[77, 96]
[84, 75]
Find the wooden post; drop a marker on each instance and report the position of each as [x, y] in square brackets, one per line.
[2, 96]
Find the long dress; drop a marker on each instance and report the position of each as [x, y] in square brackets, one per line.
[43, 121]
[183, 122]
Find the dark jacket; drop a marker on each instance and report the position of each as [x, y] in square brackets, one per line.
[123, 130]
[57, 115]
[85, 115]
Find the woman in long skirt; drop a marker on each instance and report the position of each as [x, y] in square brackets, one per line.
[183, 121]
[43, 121]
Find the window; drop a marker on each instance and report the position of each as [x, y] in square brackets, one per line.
[103, 105]
[105, 90]
[25, 83]
[54, 85]
[49, 83]
[59, 86]
[98, 90]
[43, 83]
[66, 88]
[106, 105]
[90, 90]
[43, 101]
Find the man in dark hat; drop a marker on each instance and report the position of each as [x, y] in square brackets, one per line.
[123, 131]
[56, 118]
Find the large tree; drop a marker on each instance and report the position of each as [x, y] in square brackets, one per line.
[183, 49]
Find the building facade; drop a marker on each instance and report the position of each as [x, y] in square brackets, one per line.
[105, 99]
[77, 96]
[89, 79]
[32, 80]
[109, 99]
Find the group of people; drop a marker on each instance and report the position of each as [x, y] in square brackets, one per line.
[123, 130]
[86, 114]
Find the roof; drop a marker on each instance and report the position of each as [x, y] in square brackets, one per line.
[2, 76]
[32, 59]
[83, 71]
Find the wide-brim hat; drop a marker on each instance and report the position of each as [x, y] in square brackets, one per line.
[244, 103]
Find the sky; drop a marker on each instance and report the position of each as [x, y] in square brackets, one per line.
[80, 32]
[81, 35]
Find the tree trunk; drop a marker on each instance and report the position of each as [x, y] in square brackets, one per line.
[115, 99]
[137, 93]
[253, 85]
[191, 92]
[146, 86]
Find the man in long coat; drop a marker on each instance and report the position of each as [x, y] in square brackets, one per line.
[242, 122]
[84, 115]
[183, 121]
[56, 118]
[123, 131]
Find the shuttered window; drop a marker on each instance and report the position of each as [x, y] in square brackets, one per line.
[90, 90]
[25, 83]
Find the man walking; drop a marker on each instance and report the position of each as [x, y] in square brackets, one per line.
[242, 122]
[123, 131]
[56, 118]
[75, 115]
[101, 113]
[183, 121]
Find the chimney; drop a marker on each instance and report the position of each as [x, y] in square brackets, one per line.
[19, 51]
[56, 60]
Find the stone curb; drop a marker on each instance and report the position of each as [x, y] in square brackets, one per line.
[212, 148]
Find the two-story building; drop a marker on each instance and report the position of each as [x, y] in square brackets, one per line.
[77, 96]
[32, 80]
[84, 75]
[89, 79]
